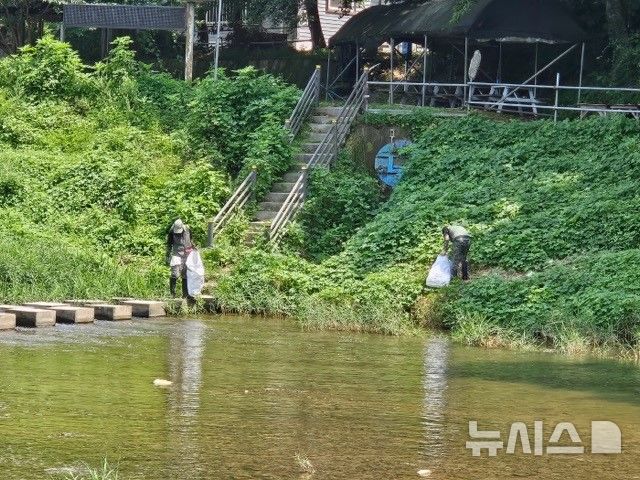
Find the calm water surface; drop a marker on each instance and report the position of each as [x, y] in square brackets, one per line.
[250, 394]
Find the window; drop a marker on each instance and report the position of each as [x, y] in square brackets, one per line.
[339, 6]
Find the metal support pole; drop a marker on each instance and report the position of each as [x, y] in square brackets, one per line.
[62, 31]
[555, 108]
[466, 67]
[424, 70]
[317, 85]
[366, 89]
[535, 80]
[326, 90]
[189, 34]
[581, 72]
[392, 44]
[499, 74]
[334, 144]
[357, 60]
[218, 28]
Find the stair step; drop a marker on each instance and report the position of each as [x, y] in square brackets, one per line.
[323, 119]
[304, 157]
[266, 215]
[330, 111]
[292, 176]
[270, 206]
[276, 197]
[310, 147]
[319, 127]
[282, 187]
[259, 225]
[316, 137]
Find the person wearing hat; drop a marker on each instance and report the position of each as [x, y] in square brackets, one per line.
[460, 238]
[178, 248]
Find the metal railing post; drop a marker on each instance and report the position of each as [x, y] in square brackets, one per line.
[210, 234]
[366, 89]
[334, 149]
[318, 83]
[555, 105]
[392, 44]
[305, 177]
[254, 171]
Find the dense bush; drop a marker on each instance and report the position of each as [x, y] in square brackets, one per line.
[552, 209]
[340, 201]
[234, 113]
[95, 163]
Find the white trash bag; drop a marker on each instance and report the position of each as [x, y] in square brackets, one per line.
[195, 273]
[440, 272]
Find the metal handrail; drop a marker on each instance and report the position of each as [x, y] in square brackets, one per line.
[235, 202]
[290, 207]
[327, 150]
[310, 97]
[323, 156]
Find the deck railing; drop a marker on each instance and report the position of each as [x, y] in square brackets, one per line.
[529, 98]
[324, 155]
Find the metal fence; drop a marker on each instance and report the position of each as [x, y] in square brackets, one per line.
[522, 99]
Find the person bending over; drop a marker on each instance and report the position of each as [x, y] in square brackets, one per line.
[460, 240]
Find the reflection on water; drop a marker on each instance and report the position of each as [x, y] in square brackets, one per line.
[186, 348]
[436, 357]
[250, 394]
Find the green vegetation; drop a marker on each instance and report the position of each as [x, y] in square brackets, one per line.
[96, 162]
[556, 238]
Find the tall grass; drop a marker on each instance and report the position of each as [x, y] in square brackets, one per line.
[386, 318]
[40, 267]
[104, 472]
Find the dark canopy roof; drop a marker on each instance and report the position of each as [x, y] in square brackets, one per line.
[502, 20]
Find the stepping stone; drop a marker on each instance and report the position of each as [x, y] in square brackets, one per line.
[7, 321]
[31, 317]
[66, 313]
[105, 311]
[85, 303]
[71, 314]
[45, 305]
[209, 303]
[146, 308]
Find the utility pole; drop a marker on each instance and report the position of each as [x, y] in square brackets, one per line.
[217, 57]
[190, 33]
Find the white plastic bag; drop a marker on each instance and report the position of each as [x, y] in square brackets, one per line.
[195, 273]
[440, 272]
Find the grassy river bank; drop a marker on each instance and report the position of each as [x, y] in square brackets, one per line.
[96, 161]
[552, 208]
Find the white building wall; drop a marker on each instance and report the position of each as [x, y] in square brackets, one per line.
[331, 22]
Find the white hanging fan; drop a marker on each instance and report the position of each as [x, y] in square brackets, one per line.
[474, 65]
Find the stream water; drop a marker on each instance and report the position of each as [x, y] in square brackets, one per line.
[251, 395]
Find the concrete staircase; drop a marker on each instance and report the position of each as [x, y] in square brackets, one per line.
[319, 125]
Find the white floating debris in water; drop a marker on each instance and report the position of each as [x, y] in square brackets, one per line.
[246, 391]
[158, 382]
[424, 472]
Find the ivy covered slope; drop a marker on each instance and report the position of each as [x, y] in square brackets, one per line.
[553, 210]
[95, 162]
[554, 214]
